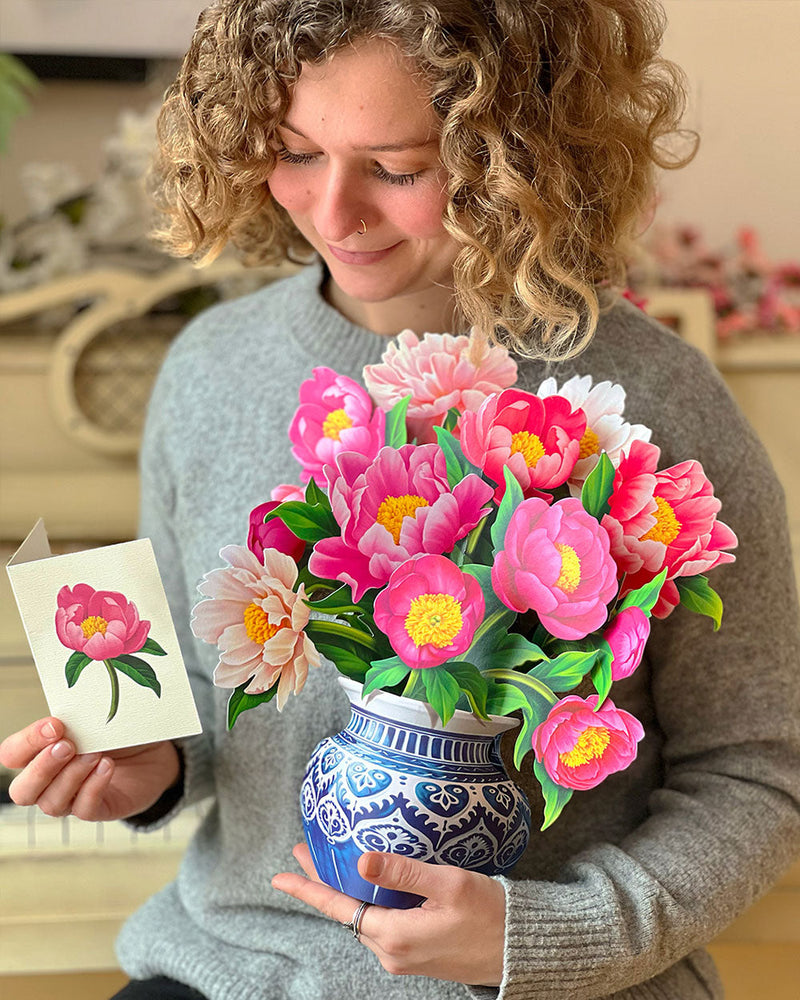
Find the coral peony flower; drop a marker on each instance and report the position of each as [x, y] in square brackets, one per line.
[256, 620]
[632, 514]
[627, 636]
[538, 439]
[429, 610]
[439, 371]
[579, 746]
[101, 624]
[335, 414]
[606, 431]
[555, 561]
[272, 535]
[391, 508]
[686, 524]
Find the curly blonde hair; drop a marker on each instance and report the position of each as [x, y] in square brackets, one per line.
[553, 114]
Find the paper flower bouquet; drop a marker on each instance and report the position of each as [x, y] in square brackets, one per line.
[466, 543]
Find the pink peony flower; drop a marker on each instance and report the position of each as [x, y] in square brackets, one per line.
[391, 508]
[438, 372]
[627, 636]
[606, 431]
[429, 610]
[287, 491]
[686, 525]
[632, 516]
[555, 561]
[579, 746]
[538, 439]
[101, 624]
[335, 415]
[256, 620]
[272, 535]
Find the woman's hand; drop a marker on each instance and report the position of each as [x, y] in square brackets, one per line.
[90, 786]
[456, 934]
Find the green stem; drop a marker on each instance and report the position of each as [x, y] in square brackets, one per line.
[410, 683]
[487, 624]
[522, 681]
[474, 536]
[344, 631]
[112, 673]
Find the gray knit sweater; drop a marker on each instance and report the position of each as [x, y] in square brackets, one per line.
[620, 895]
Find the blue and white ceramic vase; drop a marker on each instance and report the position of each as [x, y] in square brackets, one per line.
[396, 780]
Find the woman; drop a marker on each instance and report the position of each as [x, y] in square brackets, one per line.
[442, 166]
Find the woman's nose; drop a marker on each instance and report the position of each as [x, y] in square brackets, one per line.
[338, 208]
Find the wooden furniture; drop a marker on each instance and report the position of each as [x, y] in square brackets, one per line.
[72, 405]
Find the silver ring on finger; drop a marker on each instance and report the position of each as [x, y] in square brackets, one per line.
[354, 926]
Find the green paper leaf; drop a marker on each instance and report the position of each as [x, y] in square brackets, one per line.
[601, 672]
[503, 699]
[240, 702]
[512, 498]
[340, 635]
[310, 523]
[347, 661]
[442, 692]
[472, 682]
[483, 574]
[555, 797]
[598, 487]
[385, 674]
[138, 670]
[452, 418]
[315, 496]
[396, 433]
[566, 671]
[339, 601]
[539, 699]
[153, 648]
[698, 596]
[74, 666]
[458, 467]
[645, 596]
[512, 650]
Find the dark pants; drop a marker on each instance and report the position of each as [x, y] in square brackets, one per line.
[157, 989]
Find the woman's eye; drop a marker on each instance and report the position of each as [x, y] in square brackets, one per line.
[287, 157]
[384, 175]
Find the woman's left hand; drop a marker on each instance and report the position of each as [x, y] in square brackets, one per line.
[456, 934]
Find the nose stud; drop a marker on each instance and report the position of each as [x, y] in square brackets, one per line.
[363, 230]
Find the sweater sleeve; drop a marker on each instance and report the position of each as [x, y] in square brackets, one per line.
[157, 522]
[725, 822]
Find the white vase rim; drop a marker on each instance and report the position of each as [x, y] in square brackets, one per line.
[420, 713]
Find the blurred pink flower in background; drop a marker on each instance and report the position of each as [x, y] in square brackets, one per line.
[391, 508]
[335, 414]
[580, 745]
[438, 372]
[256, 620]
[627, 637]
[101, 624]
[555, 561]
[538, 439]
[429, 610]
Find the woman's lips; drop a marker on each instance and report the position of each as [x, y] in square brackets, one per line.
[361, 257]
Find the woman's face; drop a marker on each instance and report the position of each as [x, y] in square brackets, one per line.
[361, 142]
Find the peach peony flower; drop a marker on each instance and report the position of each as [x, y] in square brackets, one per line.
[335, 415]
[429, 610]
[555, 561]
[438, 372]
[256, 620]
[538, 439]
[391, 508]
[101, 624]
[606, 431]
[580, 745]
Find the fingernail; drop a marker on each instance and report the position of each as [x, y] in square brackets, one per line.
[371, 865]
[48, 730]
[104, 766]
[62, 750]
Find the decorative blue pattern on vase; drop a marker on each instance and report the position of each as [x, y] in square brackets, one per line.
[387, 785]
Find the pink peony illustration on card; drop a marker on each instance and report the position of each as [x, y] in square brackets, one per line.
[103, 641]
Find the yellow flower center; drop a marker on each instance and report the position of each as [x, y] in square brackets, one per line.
[590, 443]
[529, 446]
[434, 619]
[92, 625]
[259, 627]
[590, 744]
[336, 422]
[570, 575]
[667, 526]
[393, 509]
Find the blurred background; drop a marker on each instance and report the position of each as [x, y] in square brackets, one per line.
[88, 306]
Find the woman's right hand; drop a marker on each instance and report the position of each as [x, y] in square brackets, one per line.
[93, 786]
